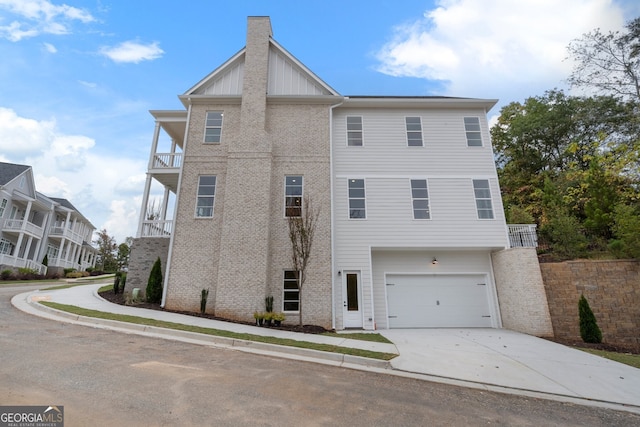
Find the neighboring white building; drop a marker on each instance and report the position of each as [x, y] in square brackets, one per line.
[33, 225]
[411, 213]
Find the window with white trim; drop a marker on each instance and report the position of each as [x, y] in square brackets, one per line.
[354, 131]
[206, 196]
[357, 201]
[213, 127]
[3, 206]
[6, 247]
[420, 199]
[482, 194]
[414, 131]
[472, 129]
[293, 196]
[290, 291]
[52, 252]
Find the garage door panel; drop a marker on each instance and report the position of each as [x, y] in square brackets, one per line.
[437, 301]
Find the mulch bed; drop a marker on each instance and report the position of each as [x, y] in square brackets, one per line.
[120, 299]
[313, 329]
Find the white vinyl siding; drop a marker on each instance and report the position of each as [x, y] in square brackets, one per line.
[213, 127]
[414, 131]
[472, 130]
[206, 196]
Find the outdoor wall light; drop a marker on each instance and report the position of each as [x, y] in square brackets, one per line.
[339, 272]
[435, 261]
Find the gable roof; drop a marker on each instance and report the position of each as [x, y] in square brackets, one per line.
[287, 76]
[10, 171]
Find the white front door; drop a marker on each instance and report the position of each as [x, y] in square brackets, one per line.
[352, 304]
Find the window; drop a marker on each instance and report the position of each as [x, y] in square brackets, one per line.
[293, 196]
[3, 206]
[291, 292]
[420, 198]
[483, 198]
[414, 131]
[206, 195]
[354, 131]
[472, 128]
[6, 247]
[213, 127]
[357, 207]
[52, 252]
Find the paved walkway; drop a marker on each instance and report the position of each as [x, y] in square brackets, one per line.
[491, 359]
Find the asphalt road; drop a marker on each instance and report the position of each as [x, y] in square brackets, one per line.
[105, 378]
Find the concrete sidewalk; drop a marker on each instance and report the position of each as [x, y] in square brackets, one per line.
[490, 359]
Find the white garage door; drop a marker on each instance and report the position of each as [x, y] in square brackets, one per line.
[421, 301]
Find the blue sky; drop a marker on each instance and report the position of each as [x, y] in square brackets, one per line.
[77, 77]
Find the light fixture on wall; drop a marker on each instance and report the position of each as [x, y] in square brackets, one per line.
[435, 261]
[339, 272]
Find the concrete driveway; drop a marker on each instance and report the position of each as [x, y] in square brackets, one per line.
[517, 361]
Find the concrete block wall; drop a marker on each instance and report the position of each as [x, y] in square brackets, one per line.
[612, 289]
[521, 292]
[144, 253]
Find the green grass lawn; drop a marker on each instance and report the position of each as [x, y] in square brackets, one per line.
[626, 358]
[217, 332]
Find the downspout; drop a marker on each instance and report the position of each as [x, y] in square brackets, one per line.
[333, 251]
[175, 211]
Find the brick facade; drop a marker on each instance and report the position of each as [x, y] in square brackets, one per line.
[144, 253]
[241, 253]
[612, 289]
[521, 292]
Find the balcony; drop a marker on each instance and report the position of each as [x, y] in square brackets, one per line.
[167, 161]
[59, 231]
[18, 225]
[16, 262]
[523, 236]
[157, 228]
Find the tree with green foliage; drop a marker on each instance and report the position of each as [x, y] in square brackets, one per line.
[106, 251]
[589, 330]
[154, 285]
[567, 162]
[122, 257]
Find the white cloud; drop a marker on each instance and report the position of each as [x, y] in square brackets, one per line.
[23, 137]
[34, 17]
[50, 48]
[105, 187]
[132, 51]
[497, 48]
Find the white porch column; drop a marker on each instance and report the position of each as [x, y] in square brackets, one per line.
[23, 227]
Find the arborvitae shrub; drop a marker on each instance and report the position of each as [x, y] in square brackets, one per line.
[154, 285]
[589, 330]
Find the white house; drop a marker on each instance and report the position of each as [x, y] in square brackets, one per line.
[411, 231]
[33, 226]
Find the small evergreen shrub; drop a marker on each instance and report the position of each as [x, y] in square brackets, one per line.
[45, 261]
[154, 285]
[116, 284]
[6, 274]
[589, 330]
[203, 300]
